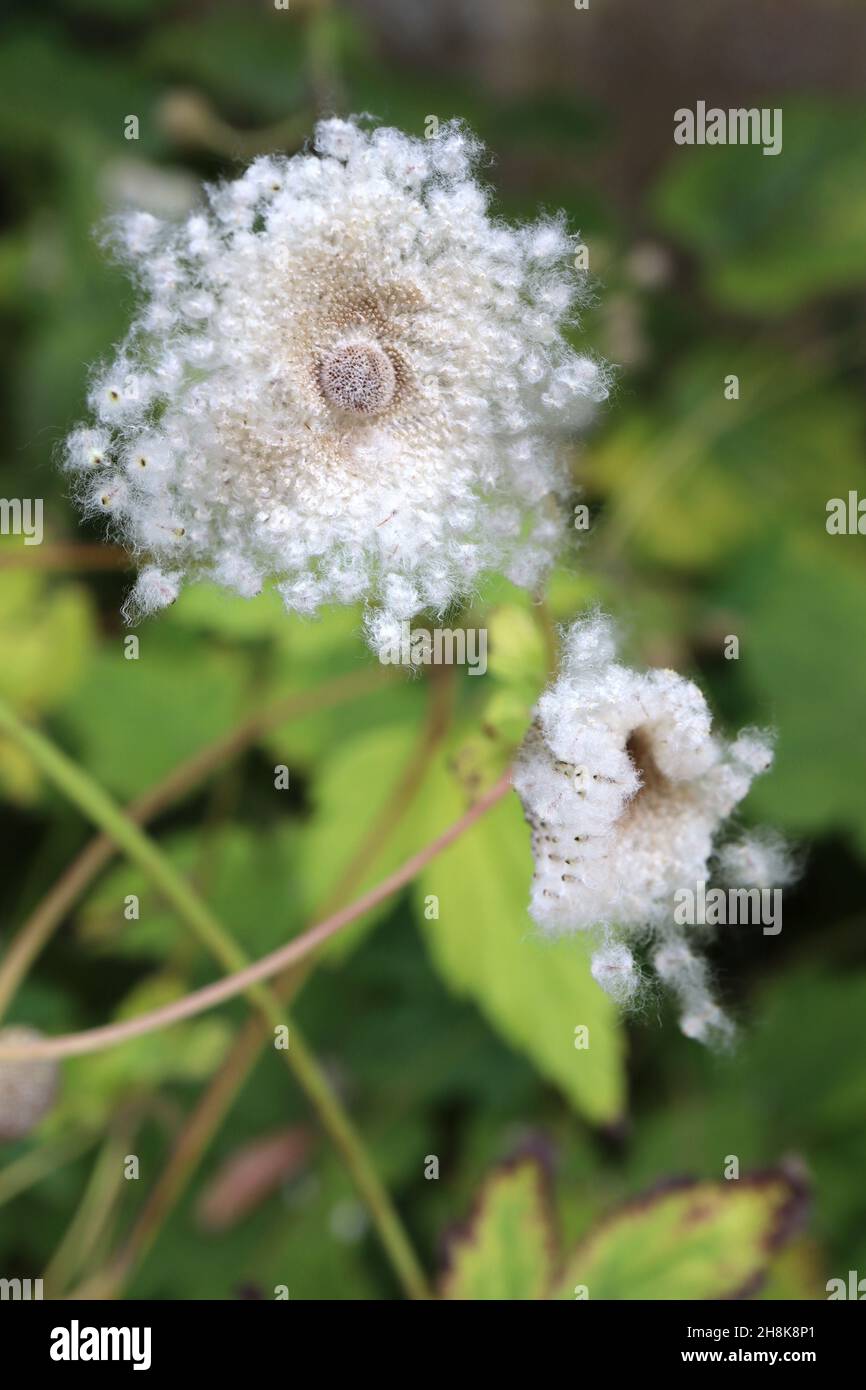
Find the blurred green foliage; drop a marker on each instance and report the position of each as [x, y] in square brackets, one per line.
[450, 1032]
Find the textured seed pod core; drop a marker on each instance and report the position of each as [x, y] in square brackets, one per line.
[654, 786]
[358, 377]
[27, 1087]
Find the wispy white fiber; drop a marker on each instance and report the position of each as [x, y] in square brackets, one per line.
[344, 375]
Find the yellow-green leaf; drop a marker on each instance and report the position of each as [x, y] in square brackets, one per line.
[354, 840]
[691, 1240]
[535, 993]
[506, 1250]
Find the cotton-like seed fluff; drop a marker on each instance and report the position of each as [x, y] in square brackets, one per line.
[345, 377]
[627, 790]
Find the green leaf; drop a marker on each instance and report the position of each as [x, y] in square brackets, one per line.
[302, 657]
[136, 720]
[46, 639]
[796, 1084]
[517, 653]
[518, 664]
[774, 232]
[251, 879]
[535, 993]
[506, 1250]
[808, 1078]
[796, 1274]
[351, 792]
[310, 654]
[803, 658]
[253, 60]
[692, 1240]
[208, 608]
[79, 90]
[96, 1084]
[697, 477]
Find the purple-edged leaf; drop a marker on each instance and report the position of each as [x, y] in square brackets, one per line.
[690, 1240]
[506, 1249]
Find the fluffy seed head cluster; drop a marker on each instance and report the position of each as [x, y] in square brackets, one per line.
[345, 376]
[626, 789]
[27, 1087]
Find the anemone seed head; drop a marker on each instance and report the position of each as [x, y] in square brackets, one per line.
[627, 791]
[346, 377]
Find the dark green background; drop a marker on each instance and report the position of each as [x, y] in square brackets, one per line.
[708, 520]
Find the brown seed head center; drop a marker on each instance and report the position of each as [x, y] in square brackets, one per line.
[358, 378]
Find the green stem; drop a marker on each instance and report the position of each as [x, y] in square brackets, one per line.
[214, 1104]
[323, 63]
[94, 1214]
[58, 902]
[32, 1167]
[99, 807]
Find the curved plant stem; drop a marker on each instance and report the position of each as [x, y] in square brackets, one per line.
[441, 684]
[246, 979]
[216, 1101]
[99, 807]
[198, 1131]
[323, 67]
[65, 555]
[92, 1220]
[189, 119]
[549, 636]
[40, 926]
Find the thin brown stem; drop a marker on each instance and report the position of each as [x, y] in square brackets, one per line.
[441, 679]
[193, 1141]
[549, 635]
[95, 1039]
[40, 926]
[96, 1210]
[62, 555]
[210, 1112]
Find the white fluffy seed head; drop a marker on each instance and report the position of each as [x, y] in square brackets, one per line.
[687, 976]
[709, 1025]
[27, 1087]
[345, 377]
[679, 967]
[760, 859]
[87, 449]
[614, 969]
[626, 789]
